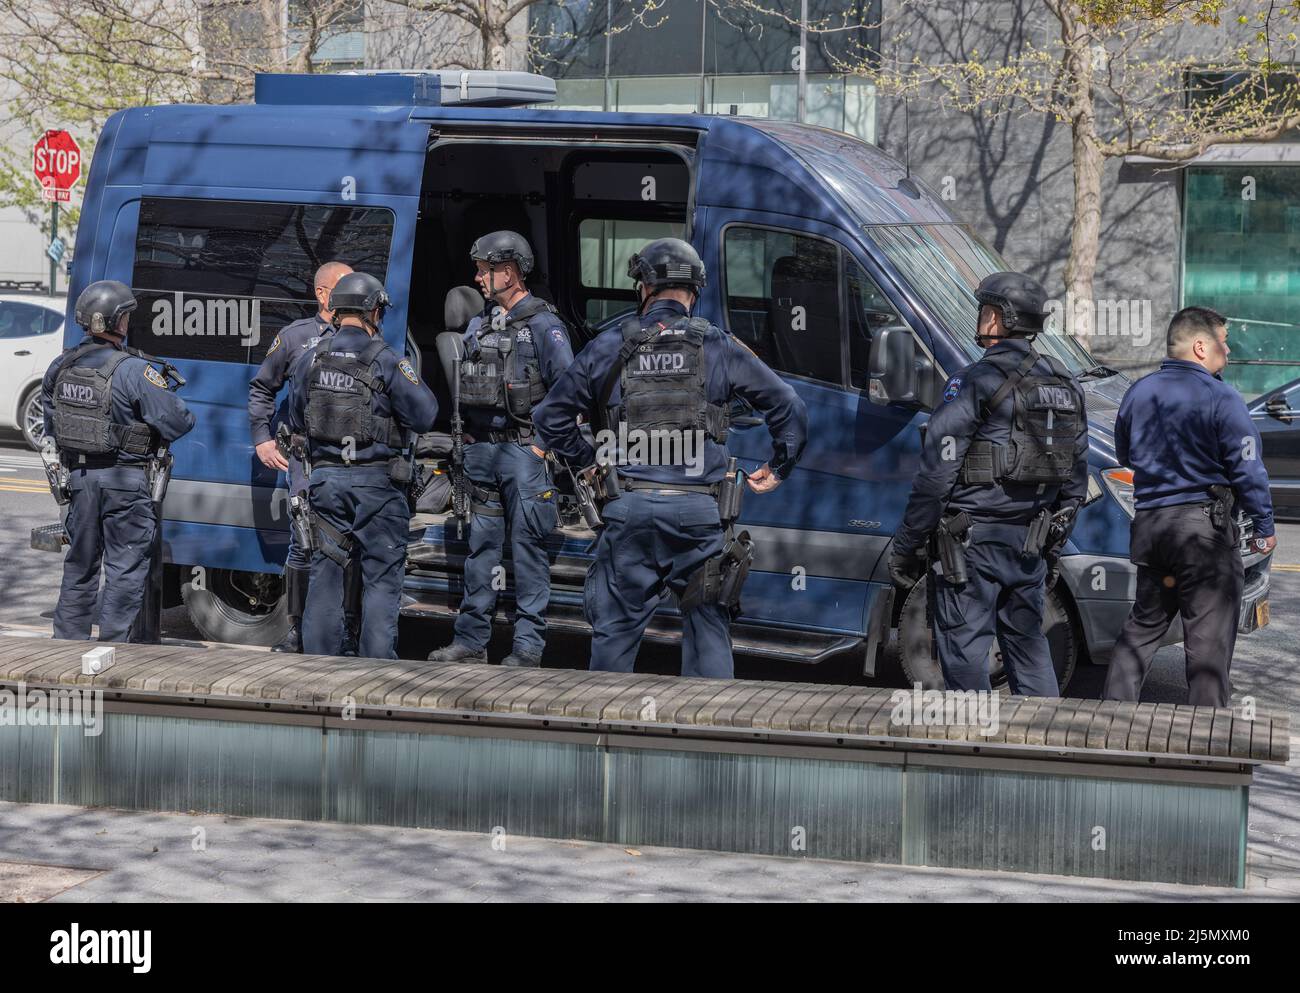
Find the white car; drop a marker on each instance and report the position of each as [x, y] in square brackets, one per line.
[31, 335]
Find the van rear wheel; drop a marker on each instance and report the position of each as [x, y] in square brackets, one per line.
[237, 608]
[920, 667]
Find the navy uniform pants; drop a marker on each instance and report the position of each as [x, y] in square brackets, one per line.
[110, 521]
[1185, 566]
[654, 541]
[1003, 598]
[363, 503]
[524, 508]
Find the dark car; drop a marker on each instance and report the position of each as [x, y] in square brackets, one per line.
[1277, 415]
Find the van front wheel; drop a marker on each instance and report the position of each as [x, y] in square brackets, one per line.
[237, 608]
[920, 667]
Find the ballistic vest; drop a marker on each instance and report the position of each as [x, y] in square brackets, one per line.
[1047, 415]
[662, 371]
[494, 376]
[340, 389]
[83, 409]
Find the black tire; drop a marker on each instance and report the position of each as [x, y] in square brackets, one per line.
[919, 667]
[31, 417]
[221, 609]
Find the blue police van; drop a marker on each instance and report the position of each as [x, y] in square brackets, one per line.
[841, 271]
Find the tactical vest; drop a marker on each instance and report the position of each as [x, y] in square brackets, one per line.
[495, 376]
[1047, 416]
[339, 393]
[663, 374]
[83, 409]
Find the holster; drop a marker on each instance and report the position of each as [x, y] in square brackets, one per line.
[1221, 508]
[300, 521]
[1037, 537]
[950, 547]
[721, 579]
[338, 549]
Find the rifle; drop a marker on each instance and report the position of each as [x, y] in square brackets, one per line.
[56, 474]
[459, 494]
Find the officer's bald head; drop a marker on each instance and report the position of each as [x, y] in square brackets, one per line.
[330, 273]
[326, 276]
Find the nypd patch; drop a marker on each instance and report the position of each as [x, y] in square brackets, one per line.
[954, 387]
[408, 371]
[274, 345]
[557, 336]
[155, 377]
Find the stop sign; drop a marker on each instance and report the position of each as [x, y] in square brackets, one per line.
[56, 162]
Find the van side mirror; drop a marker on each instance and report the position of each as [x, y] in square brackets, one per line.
[895, 370]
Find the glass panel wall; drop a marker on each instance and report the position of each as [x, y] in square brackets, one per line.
[1242, 257]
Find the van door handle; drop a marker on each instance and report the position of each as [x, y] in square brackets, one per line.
[23, 352]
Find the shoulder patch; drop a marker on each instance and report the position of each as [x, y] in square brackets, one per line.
[408, 371]
[558, 335]
[274, 345]
[742, 344]
[155, 377]
[953, 388]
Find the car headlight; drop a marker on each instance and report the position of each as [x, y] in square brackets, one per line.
[1120, 484]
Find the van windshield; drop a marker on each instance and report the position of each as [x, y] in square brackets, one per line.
[944, 263]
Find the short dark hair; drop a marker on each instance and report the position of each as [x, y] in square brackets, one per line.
[1192, 322]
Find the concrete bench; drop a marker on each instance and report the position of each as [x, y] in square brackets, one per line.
[1085, 787]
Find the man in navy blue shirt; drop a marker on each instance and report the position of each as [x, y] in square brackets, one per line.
[358, 403]
[512, 356]
[108, 410]
[658, 389]
[263, 389]
[1192, 446]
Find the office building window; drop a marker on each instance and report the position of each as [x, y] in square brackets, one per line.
[1242, 257]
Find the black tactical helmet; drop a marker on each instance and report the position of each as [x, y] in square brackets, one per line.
[101, 304]
[503, 246]
[667, 262]
[1021, 300]
[359, 292]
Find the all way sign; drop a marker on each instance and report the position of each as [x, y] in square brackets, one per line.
[56, 163]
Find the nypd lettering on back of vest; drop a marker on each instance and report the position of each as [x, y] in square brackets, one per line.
[332, 380]
[77, 393]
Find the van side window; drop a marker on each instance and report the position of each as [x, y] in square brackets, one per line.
[783, 299]
[604, 246]
[869, 311]
[216, 279]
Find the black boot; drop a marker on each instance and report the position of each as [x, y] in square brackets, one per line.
[522, 660]
[458, 651]
[295, 591]
[351, 635]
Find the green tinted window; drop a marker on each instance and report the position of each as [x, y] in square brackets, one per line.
[1242, 234]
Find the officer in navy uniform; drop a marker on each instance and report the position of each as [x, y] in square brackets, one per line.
[108, 411]
[664, 372]
[512, 356]
[263, 389]
[357, 401]
[1005, 450]
[1195, 453]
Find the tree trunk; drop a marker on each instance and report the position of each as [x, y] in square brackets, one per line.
[1088, 162]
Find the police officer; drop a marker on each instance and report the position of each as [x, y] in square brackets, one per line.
[357, 402]
[1193, 449]
[1004, 452]
[108, 411]
[265, 386]
[512, 356]
[662, 383]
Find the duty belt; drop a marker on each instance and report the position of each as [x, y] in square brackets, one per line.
[495, 436]
[333, 463]
[628, 483]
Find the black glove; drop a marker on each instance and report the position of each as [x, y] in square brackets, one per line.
[1053, 568]
[907, 568]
